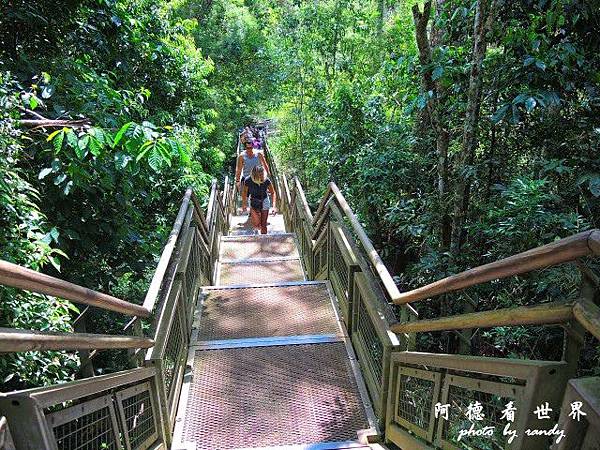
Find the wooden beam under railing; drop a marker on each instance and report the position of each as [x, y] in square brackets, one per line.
[16, 276]
[588, 315]
[15, 340]
[561, 251]
[547, 313]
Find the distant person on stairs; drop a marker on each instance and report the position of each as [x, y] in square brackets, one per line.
[258, 187]
[248, 161]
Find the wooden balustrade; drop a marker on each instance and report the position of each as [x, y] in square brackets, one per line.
[362, 280]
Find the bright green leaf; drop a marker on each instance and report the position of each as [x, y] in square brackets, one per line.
[121, 133]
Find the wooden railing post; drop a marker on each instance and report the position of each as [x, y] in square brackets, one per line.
[29, 428]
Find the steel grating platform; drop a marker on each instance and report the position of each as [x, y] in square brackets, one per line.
[261, 246]
[272, 396]
[271, 364]
[260, 272]
[303, 309]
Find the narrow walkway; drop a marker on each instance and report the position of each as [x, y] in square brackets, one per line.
[271, 363]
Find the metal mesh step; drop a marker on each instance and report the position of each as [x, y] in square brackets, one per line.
[267, 311]
[272, 396]
[244, 273]
[247, 247]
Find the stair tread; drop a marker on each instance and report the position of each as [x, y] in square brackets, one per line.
[252, 272]
[249, 247]
[302, 309]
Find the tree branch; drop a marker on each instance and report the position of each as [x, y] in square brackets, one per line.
[41, 121]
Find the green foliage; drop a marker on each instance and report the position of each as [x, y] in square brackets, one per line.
[145, 113]
[159, 88]
[352, 109]
[26, 238]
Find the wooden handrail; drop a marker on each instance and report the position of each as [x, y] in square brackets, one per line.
[321, 208]
[374, 258]
[211, 205]
[47, 396]
[547, 313]
[561, 251]
[303, 201]
[23, 278]
[165, 258]
[15, 340]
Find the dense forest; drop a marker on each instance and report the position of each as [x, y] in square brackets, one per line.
[460, 131]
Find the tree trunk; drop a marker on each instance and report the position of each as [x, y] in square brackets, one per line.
[381, 18]
[483, 22]
[434, 109]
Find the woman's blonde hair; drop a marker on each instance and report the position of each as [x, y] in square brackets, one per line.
[256, 173]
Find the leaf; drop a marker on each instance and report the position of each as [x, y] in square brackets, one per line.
[155, 159]
[121, 133]
[530, 104]
[83, 142]
[33, 102]
[59, 179]
[58, 141]
[95, 146]
[52, 135]
[55, 262]
[72, 140]
[164, 153]
[44, 173]
[540, 64]
[594, 185]
[73, 308]
[67, 189]
[183, 153]
[437, 73]
[81, 149]
[498, 115]
[143, 150]
[47, 91]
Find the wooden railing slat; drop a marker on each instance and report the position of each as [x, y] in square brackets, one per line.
[561, 251]
[548, 313]
[16, 340]
[588, 315]
[23, 278]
